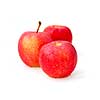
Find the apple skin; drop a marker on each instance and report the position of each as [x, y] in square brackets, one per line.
[58, 58]
[58, 32]
[29, 46]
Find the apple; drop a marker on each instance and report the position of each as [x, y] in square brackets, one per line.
[59, 32]
[58, 58]
[29, 46]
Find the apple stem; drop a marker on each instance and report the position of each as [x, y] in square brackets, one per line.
[39, 24]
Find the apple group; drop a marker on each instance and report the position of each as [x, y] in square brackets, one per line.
[51, 50]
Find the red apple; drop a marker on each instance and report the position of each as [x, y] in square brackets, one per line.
[29, 46]
[58, 58]
[58, 32]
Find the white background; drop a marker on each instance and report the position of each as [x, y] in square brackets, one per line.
[19, 82]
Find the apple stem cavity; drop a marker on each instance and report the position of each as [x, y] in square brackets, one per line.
[39, 24]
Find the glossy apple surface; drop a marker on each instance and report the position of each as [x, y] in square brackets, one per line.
[29, 46]
[58, 58]
[58, 32]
